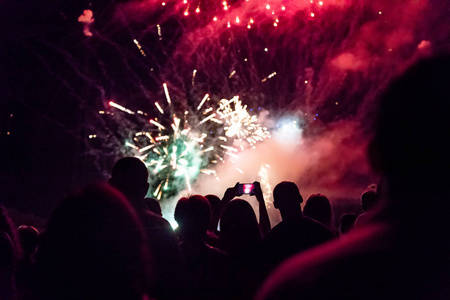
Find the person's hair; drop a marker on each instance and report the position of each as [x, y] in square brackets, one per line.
[28, 238]
[346, 222]
[192, 215]
[413, 119]
[318, 207]
[93, 248]
[286, 193]
[213, 200]
[368, 200]
[130, 176]
[152, 205]
[239, 228]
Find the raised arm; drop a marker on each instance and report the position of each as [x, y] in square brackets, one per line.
[264, 222]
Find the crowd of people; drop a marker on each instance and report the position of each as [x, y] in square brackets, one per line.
[108, 241]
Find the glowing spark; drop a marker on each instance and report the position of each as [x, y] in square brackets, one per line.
[159, 30]
[208, 149]
[268, 77]
[166, 91]
[193, 77]
[139, 47]
[157, 124]
[207, 110]
[206, 97]
[113, 104]
[229, 148]
[146, 148]
[159, 108]
[131, 145]
[162, 138]
[207, 118]
[232, 74]
[208, 172]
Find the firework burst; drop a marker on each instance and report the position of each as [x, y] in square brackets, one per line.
[178, 146]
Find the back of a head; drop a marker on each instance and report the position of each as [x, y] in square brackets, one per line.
[318, 207]
[347, 222]
[368, 200]
[213, 200]
[409, 145]
[153, 205]
[130, 176]
[239, 227]
[93, 248]
[192, 215]
[286, 195]
[28, 238]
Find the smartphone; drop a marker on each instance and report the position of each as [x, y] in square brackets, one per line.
[246, 188]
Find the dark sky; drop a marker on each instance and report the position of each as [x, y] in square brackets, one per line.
[54, 80]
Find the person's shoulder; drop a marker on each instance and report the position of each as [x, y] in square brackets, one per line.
[324, 265]
[316, 226]
[275, 231]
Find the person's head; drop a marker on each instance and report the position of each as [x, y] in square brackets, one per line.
[93, 248]
[28, 238]
[286, 196]
[152, 205]
[368, 200]
[347, 222]
[130, 176]
[192, 215]
[318, 207]
[239, 227]
[213, 200]
[409, 146]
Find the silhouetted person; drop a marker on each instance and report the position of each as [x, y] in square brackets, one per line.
[241, 238]
[213, 200]
[212, 233]
[369, 201]
[28, 237]
[295, 233]
[208, 267]
[230, 193]
[93, 248]
[129, 175]
[347, 222]
[404, 252]
[318, 207]
[153, 205]
[9, 256]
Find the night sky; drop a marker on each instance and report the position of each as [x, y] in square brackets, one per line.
[331, 61]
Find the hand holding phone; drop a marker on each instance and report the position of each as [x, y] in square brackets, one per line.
[246, 189]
